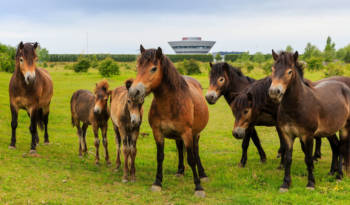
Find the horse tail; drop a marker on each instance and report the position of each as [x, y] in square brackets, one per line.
[40, 120]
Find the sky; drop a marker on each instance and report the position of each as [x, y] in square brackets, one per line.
[120, 26]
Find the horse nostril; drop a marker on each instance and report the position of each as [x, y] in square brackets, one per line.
[278, 91]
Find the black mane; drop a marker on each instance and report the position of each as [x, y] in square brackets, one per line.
[218, 69]
[287, 59]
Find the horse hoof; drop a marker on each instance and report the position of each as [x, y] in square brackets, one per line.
[200, 193]
[12, 147]
[108, 163]
[204, 179]
[156, 188]
[179, 175]
[124, 180]
[240, 165]
[97, 162]
[282, 190]
[133, 180]
[263, 160]
[32, 151]
[46, 143]
[310, 188]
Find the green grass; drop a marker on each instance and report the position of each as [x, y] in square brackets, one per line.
[59, 176]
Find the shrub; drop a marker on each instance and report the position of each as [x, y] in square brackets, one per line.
[218, 57]
[45, 65]
[267, 66]
[108, 67]
[68, 67]
[315, 63]
[7, 64]
[82, 65]
[191, 67]
[333, 69]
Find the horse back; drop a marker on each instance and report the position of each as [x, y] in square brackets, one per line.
[82, 103]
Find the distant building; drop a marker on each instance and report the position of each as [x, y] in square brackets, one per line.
[191, 45]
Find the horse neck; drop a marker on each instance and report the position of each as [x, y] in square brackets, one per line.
[235, 86]
[165, 91]
[293, 98]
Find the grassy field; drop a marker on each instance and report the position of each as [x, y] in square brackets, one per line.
[59, 176]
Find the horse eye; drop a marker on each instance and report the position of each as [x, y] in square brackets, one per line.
[21, 60]
[129, 101]
[153, 69]
[221, 79]
[245, 112]
[290, 72]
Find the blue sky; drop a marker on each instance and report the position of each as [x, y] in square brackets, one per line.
[120, 26]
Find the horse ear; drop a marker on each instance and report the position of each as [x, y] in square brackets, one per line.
[296, 55]
[211, 65]
[128, 83]
[142, 49]
[35, 45]
[159, 53]
[21, 45]
[274, 55]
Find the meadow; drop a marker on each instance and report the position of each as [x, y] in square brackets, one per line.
[59, 176]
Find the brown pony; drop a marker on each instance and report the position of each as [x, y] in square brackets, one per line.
[30, 89]
[308, 111]
[178, 110]
[91, 109]
[126, 116]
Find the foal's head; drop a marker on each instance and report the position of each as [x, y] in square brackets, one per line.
[134, 107]
[285, 68]
[101, 96]
[218, 81]
[25, 60]
[243, 111]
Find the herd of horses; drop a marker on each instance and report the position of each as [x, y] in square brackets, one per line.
[295, 106]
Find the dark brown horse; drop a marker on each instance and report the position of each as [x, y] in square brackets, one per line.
[308, 111]
[126, 116]
[30, 89]
[91, 109]
[178, 110]
[253, 106]
[229, 81]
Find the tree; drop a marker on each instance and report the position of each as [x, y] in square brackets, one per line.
[344, 54]
[218, 57]
[289, 48]
[311, 51]
[43, 54]
[108, 67]
[258, 57]
[329, 50]
[82, 65]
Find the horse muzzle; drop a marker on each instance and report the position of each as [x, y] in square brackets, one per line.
[137, 93]
[135, 120]
[29, 77]
[238, 133]
[211, 97]
[276, 93]
[97, 109]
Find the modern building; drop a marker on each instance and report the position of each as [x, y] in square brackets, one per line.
[191, 45]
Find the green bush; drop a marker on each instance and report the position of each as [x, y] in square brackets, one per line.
[68, 67]
[315, 63]
[267, 66]
[231, 57]
[82, 65]
[7, 64]
[191, 67]
[336, 68]
[218, 57]
[45, 65]
[108, 67]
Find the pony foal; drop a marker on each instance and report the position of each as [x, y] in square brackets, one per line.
[91, 109]
[126, 116]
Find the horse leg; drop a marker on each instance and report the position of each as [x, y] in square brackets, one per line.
[85, 126]
[97, 143]
[14, 123]
[105, 143]
[317, 154]
[191, 159]
[46, 121]
[118, 143]
[256, 141]
[345, 146]
[334, 142]
[245, 145]
[181, 166]
[80, 135]
[289, 141]
[33, 130]
[133, 152]
[282, 149]
[157, 185]
[200, 167]
[126, 161]
[307, 144]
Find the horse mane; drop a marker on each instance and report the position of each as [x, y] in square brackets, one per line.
[218, 68]
[171, 75]
[28, 51]
[255, 95]
[287, 58]
[103, 84]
